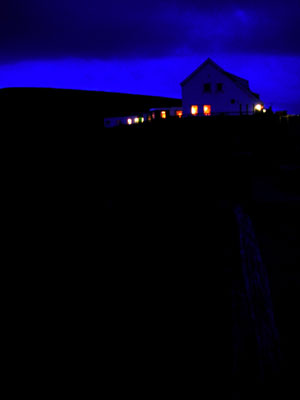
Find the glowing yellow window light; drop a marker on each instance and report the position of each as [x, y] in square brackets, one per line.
[194, 110]
[136, 120]
[179, 113]
[258, 107]
[163, 115]
[207, 109]
[129, 121]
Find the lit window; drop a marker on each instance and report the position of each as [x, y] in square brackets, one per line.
[141, 120]
[163, 115]
[194, 110]
[258, 107]
[129, 121]
[207, 110]
[136, 120]
[153, 115]
[179, 113]
[149, 117]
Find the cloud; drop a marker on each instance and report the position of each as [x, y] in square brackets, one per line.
[67, 28]
[35, 29]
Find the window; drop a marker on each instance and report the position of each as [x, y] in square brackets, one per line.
[179, 113]
[219, 87]
[163, 115]
[194, 110]
[207, 109]
[129, 121]
[207, 87]
[232, 101]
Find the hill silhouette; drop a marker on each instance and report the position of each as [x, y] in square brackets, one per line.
[90, 103]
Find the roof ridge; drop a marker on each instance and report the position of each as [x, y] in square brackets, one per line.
[235, 76]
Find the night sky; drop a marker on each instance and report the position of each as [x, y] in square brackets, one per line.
[150, 47]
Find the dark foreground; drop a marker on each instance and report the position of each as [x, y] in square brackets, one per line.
[137, 234]
[171, 216]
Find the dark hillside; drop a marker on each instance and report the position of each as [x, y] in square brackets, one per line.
[137, 227]
[91, 103]
[174, 187]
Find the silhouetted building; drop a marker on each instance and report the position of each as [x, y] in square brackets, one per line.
[210, 90]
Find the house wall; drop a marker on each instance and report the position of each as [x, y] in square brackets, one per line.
[193, 93]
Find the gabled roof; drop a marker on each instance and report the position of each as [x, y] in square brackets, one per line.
[240, 82]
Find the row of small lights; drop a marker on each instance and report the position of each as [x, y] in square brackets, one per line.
[207, 109]
[130, 121]
[194, 110]
[137, 120]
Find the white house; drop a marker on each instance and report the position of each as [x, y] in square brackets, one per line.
[210, 90]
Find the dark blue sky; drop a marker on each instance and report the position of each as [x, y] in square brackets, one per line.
[148, 48]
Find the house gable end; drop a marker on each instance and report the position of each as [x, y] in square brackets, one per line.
[204, 64]
[241, 83]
